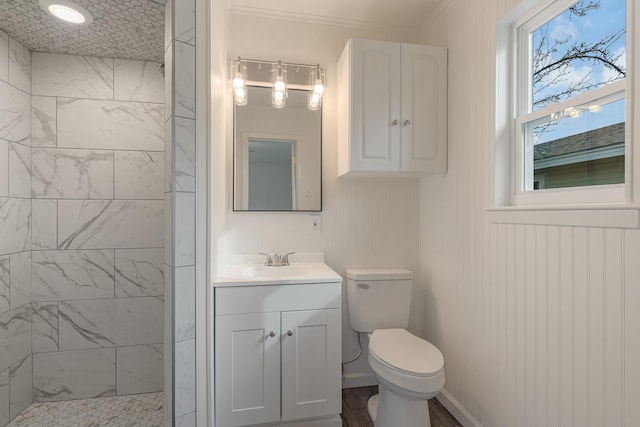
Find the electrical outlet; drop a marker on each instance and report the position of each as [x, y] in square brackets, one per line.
[315, 224]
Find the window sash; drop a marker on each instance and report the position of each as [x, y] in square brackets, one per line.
[523, 193]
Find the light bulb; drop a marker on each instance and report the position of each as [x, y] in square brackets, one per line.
[238, 82]
[240, 95]
[595, 108]
[66, 13]
[279, 85]
[318, 88]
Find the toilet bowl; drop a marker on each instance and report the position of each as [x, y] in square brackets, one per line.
[409, 370]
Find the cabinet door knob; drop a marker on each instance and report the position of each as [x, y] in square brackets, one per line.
[289, 333]
[272, 334]
[395, 122]
[407, 122]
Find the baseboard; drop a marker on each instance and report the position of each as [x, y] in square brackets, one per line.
[457, 410]
[358, 380]
[333, 421]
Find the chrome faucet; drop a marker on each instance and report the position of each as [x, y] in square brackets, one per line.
[277, 260]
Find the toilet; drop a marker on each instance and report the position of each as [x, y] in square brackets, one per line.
[409, 370]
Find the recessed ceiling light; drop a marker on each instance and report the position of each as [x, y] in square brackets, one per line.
[67, 11]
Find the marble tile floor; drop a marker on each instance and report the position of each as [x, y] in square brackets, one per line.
[140, 410]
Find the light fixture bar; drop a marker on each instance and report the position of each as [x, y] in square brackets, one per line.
[280, 76]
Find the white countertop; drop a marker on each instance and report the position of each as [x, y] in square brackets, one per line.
[249, 270]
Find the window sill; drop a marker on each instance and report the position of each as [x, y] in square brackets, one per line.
[608, 216]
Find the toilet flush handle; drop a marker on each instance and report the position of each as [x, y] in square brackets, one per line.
[363, 285]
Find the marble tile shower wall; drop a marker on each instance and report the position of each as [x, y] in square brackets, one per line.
[97, 234]
[180, 228]
[15, 229]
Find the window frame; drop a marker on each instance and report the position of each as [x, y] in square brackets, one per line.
[514, 97]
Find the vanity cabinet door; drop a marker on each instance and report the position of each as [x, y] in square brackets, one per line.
[311, 368]
[247, 369]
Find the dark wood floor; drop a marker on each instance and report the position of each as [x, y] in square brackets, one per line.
[354, 409]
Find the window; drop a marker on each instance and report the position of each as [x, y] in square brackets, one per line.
[568, 114]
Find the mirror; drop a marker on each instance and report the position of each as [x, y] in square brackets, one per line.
[277, 154]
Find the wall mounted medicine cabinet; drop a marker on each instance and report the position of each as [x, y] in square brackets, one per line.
[392, 109]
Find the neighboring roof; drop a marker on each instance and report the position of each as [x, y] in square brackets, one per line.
[594, 139]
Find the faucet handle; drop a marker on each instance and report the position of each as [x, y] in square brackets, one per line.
[285, 258]
[269, 260]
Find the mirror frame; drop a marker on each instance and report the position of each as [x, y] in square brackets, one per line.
[236, 155]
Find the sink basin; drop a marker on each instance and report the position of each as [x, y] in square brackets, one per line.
[285, 271]
[249, 270]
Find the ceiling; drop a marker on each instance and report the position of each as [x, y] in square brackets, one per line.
[408, 15]
[134, 29]
[127, 29]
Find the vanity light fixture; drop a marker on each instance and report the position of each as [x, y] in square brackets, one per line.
[239, 81]
[67, 11]
[317, 83]
[279, 93]
[280, 77]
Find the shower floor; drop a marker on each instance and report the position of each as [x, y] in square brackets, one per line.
[141, 410]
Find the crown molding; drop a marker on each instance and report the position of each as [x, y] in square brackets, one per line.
[435, 15]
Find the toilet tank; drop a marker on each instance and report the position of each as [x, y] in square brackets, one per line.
[378, 298]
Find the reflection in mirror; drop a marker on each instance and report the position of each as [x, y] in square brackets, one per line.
[277, 154]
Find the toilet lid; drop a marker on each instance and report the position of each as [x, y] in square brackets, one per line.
[405, 352]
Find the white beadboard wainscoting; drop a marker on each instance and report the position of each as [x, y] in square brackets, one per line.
[538, 322]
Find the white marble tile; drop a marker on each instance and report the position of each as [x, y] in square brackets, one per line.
[20, 386]
[78, 374]
[4, 168]
[185, 155]
[4, 61]
[71, 76]
[60, 173]
[168, 345]
[138, 81]
[185, 303]
[72, 275]
[185, 18]
[168, 155]
[188, 420]
[185, 80]
[15, 113]
[168, 315]
[19, 66]
[117, 125]
[15, 335]
[168, 82]
[44, 233]
[110, 224]
[110, 323]
[139, 272]
[44, 327]
[15, 225]
[185, 229]
[4, 390]
[185, 373]
[168, 229]
[43, 121]
[5, 283]
[19, 170]
[139, 175]
[20, 273]
[139, 369]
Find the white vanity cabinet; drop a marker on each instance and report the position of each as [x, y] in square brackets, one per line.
[392, 108]
[278, 354]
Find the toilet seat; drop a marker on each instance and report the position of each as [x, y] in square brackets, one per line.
[406, 361]
[402, 351]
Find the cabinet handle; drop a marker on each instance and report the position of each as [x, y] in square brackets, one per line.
[272, 334]
[395, 122]
[289, 333]
[407, 122]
